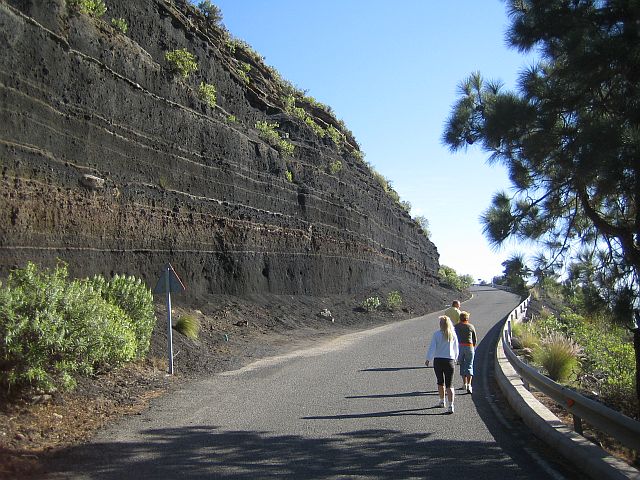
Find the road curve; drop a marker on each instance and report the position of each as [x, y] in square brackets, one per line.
[360, 406]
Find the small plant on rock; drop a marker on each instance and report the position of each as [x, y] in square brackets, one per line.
[317, 129]
[335, 167]
[358, 155]
[335, 135]
[182, 61]
[120, 24]
[289, 175]
[93, 8]
[423, 223]
[243, 72]
[269, 133]
[207, 93]
[370, 304]
[286, 148]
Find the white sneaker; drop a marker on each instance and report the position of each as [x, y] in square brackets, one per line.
[469, 389]
[450, 409]
[466, 387]
[441, 403]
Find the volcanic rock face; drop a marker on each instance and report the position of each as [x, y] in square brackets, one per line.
[113, 163]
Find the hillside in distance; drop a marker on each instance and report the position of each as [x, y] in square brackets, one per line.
[115, 163]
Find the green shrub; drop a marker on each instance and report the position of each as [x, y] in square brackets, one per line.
[243, 76]
[268, 132]
[120, 24]
[136, 300]
[189, 326]
[289, 175]
[558, 355]
[243, 72]
[370, 304]
[317, 129]
[423, 223]
[607, 354]
[448, 276]
[211, 12]
[517, 328]
[93, 8]
[286, 148]
[55, 329]
[290, 104]
[358, 155]
[232, 119]
[182, 61]
[394, 300]
[231, 46]
[335, 135]
[207, 93]
[525, 334]
[335, 167]
[235, 43]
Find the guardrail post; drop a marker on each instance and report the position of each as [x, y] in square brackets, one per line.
[577, 424]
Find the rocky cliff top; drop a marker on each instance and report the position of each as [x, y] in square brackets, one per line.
[115, 160]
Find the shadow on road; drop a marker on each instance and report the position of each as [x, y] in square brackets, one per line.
[204, 452]
[391, 369]
[396, 395]
[390, 413]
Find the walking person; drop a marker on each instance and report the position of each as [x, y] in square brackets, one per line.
[453, 312]
[443, 353]
[467, 340]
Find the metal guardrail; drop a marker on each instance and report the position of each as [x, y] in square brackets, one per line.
[624, 429]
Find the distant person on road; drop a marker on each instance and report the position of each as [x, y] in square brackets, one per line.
[467, 340]
[443, 353]
[453, 312]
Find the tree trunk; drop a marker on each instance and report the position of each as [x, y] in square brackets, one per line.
[636, 346]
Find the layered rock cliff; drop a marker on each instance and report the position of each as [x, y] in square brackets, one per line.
[112, 162]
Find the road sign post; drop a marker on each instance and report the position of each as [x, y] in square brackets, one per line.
[167, 283]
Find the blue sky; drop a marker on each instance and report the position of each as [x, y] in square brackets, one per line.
[390, 71]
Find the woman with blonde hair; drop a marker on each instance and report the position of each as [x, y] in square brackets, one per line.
[443, 353]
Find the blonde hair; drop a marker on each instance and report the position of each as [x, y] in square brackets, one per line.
[446, 327]
[464, 316]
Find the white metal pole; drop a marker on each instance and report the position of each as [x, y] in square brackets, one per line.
[169, 331]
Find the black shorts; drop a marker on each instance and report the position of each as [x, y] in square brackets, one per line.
[443, 368]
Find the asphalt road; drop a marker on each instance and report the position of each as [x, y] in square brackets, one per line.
[361, 406]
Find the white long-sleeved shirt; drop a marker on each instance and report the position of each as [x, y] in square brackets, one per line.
[441, 348]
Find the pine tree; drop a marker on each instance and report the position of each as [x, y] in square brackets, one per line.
[569, 137]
